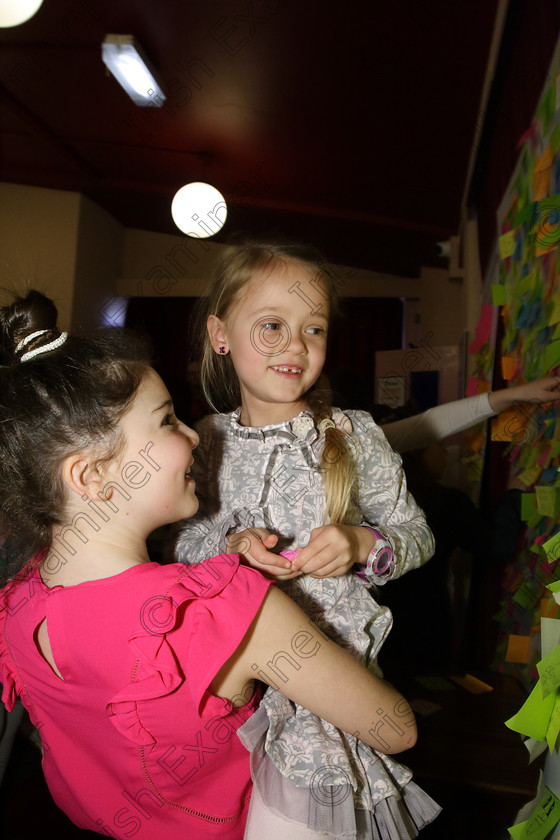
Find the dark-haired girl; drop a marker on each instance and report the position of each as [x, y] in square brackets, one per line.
[138, 675]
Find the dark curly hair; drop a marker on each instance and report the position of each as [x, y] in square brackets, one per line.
[51, 405]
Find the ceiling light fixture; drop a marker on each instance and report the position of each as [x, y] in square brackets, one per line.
[199, 210]
[14, 12]
[131, 68]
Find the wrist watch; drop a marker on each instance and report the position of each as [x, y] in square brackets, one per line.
[380, 559]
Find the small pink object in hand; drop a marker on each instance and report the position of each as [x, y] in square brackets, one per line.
[289, 555]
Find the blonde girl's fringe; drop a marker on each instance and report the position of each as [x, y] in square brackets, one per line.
[337, 463]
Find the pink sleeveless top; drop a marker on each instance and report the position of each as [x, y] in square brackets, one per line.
[135, 744]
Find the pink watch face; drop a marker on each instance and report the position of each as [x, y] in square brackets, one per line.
[383, 560]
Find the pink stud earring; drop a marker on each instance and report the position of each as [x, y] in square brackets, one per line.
[221, 349]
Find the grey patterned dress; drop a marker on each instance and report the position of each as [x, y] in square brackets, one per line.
[270, 477]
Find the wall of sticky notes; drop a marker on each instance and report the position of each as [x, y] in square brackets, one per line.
[525, 293]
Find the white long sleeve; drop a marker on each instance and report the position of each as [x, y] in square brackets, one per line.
[437, 423]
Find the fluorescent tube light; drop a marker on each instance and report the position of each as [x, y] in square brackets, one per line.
[125, 59]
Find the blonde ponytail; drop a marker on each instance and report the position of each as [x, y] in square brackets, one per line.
[337, 463]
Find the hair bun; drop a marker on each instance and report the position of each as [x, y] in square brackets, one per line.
[34, 313]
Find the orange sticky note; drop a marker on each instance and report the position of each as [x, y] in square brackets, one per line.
[476, 442]
[545, 233]
[541, 175]
[549, 607]
[472, 684]
[509, 365]
[509, 425]
[518, 649]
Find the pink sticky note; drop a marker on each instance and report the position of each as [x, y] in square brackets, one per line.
[472, 387]
[542, 461]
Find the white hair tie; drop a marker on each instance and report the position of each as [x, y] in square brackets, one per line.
[325, 424]
[21, 344]
[52, 345]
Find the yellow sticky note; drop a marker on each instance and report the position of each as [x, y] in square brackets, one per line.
[518, 648]
[533, 717]
[506, 244]
[472, 684]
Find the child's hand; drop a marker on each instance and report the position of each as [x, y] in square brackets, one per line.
[333, 550]
[253, 546]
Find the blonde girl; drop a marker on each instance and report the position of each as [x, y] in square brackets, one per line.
[282, 470]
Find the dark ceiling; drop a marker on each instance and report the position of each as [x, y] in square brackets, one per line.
[346, 124]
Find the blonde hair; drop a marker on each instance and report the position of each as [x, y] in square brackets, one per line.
[239, 266]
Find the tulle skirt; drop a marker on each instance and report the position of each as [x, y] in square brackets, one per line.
[332, 804]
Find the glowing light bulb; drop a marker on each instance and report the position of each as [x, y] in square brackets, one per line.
[199, 210]
[14, 12]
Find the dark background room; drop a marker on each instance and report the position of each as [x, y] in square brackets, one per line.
[384, 134]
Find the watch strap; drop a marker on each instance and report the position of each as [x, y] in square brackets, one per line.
[380, 559]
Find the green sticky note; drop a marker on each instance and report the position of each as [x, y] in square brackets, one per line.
[506, 244]
[525, 596]
[547, 500]
[555, 140]
[554, 725]
[554, 316]
[549, 672]
[552, 355]
[528, 506]
[533, 717]
[541, 822]
[498, 294]
[525, 214]
[534, 520]
[554, 586]
[526, 284]
[552, 548]
[532, 473]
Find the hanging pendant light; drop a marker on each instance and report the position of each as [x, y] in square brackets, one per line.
[199, 210]
[14, 12]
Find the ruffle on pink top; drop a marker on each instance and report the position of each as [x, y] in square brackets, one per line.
[12, 686]
[158, 672]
